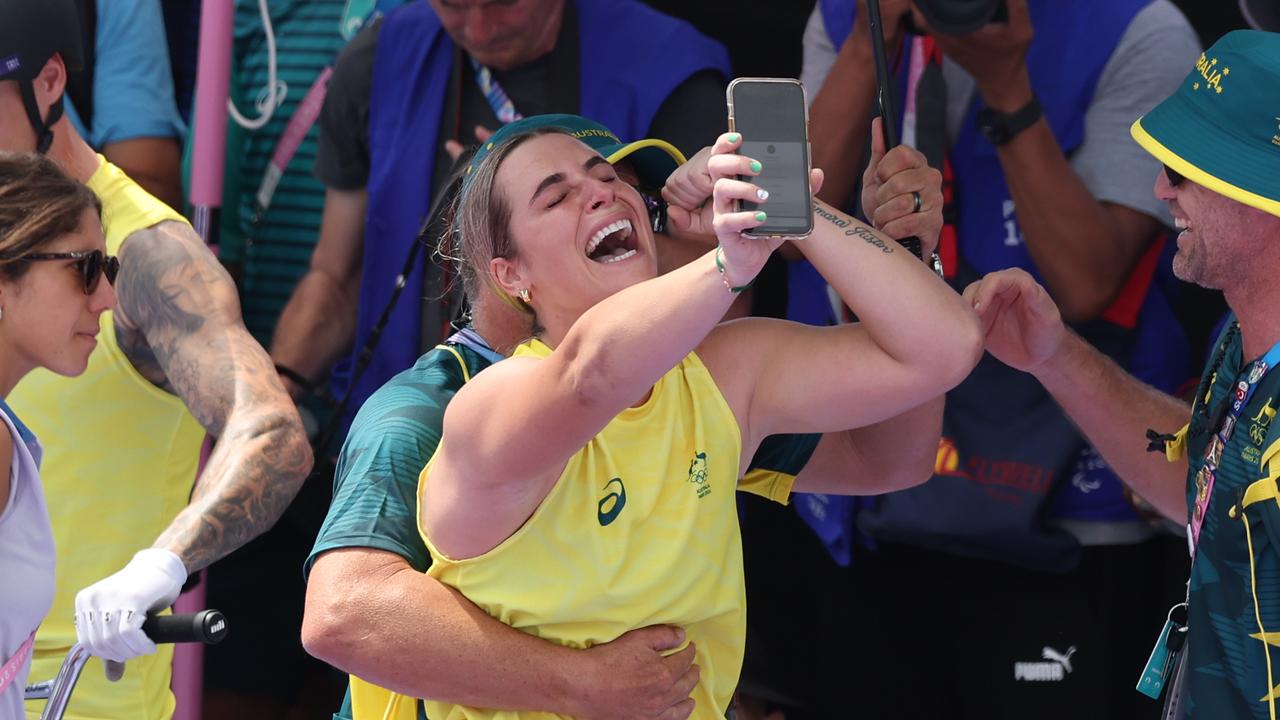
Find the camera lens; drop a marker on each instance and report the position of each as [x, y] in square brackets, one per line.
[961, 17]
[771, 149]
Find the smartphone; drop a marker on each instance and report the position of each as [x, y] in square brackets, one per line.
[773, 117]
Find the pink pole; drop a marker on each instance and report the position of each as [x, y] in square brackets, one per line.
[188, 658]
[213, 80]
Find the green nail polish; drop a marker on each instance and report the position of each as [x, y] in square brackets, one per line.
[733, 137]
[756, 166]
[761, 217]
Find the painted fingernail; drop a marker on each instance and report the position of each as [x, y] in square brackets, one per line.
[734, 137]
[756, 166]
[762, 194]
[761, 217]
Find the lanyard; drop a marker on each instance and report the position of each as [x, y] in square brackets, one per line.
[1246, 384]
[495, 95]
[354, 16]
[470, 338]
[294, 133]
[9, 672]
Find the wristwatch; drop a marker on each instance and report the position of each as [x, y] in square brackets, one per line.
[999, 128]
[935, 264]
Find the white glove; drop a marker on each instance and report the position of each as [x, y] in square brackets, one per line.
[110, 612]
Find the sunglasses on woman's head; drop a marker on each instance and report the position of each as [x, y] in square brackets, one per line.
[93, 264]
[1175, 178]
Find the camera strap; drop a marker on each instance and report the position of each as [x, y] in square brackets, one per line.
[924, 127]
[436, 218]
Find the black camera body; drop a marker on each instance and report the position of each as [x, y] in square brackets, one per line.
[961, 17]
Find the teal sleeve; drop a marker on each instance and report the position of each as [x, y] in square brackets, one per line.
[785, 454]
[376, 482]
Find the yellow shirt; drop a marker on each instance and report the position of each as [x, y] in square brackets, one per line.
[640, 529]
[120, 461]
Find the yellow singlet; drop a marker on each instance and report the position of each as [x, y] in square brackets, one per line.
[640, 529]
[120, 459]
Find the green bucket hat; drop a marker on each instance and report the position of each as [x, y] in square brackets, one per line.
[1221, 128]
[653, 160]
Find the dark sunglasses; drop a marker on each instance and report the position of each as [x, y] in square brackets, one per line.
[92, 264]
[1175, 178]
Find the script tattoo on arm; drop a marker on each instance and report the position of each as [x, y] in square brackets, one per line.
[178, 321]
[856, 231]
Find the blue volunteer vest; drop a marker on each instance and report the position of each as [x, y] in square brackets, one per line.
[995, 403]
[632, 58]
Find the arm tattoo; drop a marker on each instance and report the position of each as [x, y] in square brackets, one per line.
[856, 231]
[178, 321]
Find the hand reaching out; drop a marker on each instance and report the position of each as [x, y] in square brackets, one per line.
[1021, 323]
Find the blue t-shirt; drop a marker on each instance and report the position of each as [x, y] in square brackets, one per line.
[132, 85]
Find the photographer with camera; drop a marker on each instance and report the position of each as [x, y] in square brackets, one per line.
[1019, 574]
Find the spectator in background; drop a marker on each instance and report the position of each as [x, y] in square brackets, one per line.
[268, 233]
[122, 103]
[411, 83]
[984, 562]
[131, 520]
[1216, 471]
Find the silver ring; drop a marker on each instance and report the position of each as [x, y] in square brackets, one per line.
[916, 196]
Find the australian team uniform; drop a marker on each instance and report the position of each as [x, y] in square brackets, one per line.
[640, 529]
[1232, 662]
[398, 429]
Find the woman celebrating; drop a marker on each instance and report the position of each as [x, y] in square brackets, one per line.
[586, 486]
[52, 261]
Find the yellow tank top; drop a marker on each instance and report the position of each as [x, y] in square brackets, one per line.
[640, 529]
[120, 461]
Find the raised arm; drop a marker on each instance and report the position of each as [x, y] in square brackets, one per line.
[608, 359]
[915, 340]
[843, 103]
[897, 452]
[1084, 237]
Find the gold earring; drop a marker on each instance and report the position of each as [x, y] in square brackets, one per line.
[524, 295]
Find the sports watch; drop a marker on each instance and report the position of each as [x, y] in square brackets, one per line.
[999, 128]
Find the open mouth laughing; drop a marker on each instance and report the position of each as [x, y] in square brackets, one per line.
[612, 243]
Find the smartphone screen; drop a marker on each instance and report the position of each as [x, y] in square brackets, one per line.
[771, 118]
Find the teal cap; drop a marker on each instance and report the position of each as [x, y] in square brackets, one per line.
[653, 160]
[1221, 128]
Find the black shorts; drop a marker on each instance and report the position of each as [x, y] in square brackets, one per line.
[905, 633]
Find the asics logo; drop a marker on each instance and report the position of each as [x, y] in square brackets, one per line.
[611, 504]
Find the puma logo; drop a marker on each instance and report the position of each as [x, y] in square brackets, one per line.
[1049, 653]
[1056, 670]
